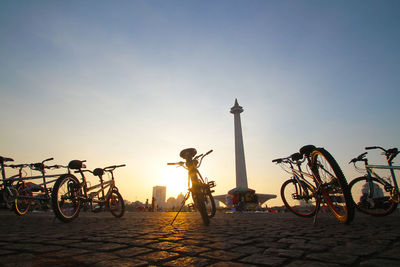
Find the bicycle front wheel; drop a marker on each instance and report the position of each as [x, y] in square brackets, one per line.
[116, 204]
[210, 204]
[372, 197]
[65, 198]
[333, 185]
[299, 198]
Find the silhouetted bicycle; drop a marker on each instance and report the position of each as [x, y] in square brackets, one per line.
[199, 187]
[69, 195]
[372, 194]
[326, 182]
[20, 192]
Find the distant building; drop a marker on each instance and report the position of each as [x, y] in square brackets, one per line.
[159, 194]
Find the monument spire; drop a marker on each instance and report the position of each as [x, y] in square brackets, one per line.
[241, 176]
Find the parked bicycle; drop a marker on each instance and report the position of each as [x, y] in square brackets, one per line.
[200, 188]
[69, 195]
[373, 194]
[20, 192]
[322, 182]
[6, 190]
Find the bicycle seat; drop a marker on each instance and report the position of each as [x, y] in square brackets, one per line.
[296, 156]
[75, 164]
[4, 159]
[98, 172]
[188, 153]
[306, 150]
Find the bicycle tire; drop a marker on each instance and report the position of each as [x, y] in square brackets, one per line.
[334, 187]
[65, 198]
[200, 204]
[114, 201]
[21, 206]
[210, 204]
[381, 206]
[292, 199]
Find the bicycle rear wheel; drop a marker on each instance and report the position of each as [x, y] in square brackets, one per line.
[378, 203]
[116, 204]
[199, 202]
[21, 206]
[299, 198]
[333, 185]
[65, 198]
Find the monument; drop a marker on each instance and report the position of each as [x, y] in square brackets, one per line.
[240, 163]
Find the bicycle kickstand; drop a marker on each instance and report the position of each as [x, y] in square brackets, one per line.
[183, 204]
[317, 210]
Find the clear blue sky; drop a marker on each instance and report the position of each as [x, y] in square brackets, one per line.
[136, 81]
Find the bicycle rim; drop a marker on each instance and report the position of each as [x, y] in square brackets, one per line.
[116, 204]
[379, 202]
[21, 206]
[298, 199]
[65, 198]
[333, 185]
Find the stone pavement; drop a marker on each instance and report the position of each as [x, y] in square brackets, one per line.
[142, 239]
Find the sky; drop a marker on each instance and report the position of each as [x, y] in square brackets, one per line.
[135, 82]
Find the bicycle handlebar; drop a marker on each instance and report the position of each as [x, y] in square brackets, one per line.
[359, 158]
[113, 167]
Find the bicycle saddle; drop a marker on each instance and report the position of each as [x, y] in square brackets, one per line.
[306, 150]
[188, 153]
[98, 172]
[75, 164]
[296, 156]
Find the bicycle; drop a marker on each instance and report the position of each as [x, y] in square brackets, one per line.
[69, 195]
[326, 184]
[199, 187]
[5, 189]
[375, 195]
[22, 194]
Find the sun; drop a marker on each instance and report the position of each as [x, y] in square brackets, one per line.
[175, 179]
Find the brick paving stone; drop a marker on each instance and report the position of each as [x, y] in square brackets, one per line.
[379, 263]
[309, 247]
[264, 260]
[163, 245]
[304, 263]
[188, 261]
[284, 253]
[332, 257]
[248, 249]
[158, 256]
[122, 263]
[93, 258]
[231, 239]
[190, 250]
[230, 264]
[132, 251]
[393, 253]
[222, 255]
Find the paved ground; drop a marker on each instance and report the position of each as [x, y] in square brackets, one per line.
[141, 239]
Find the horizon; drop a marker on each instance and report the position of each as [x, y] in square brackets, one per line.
[136, 82]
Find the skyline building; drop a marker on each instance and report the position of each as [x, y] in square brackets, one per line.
[159, 195]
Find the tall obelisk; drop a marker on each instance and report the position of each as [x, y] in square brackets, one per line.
[241, 176]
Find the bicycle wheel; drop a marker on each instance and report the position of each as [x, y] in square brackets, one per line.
[65, 198]
[299, 198]
[116, 204]
[379, 203]
[199, 202]
[21, 206]
[209, 203]
[333, 185]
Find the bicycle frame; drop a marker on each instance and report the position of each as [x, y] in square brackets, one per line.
[371, 173]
